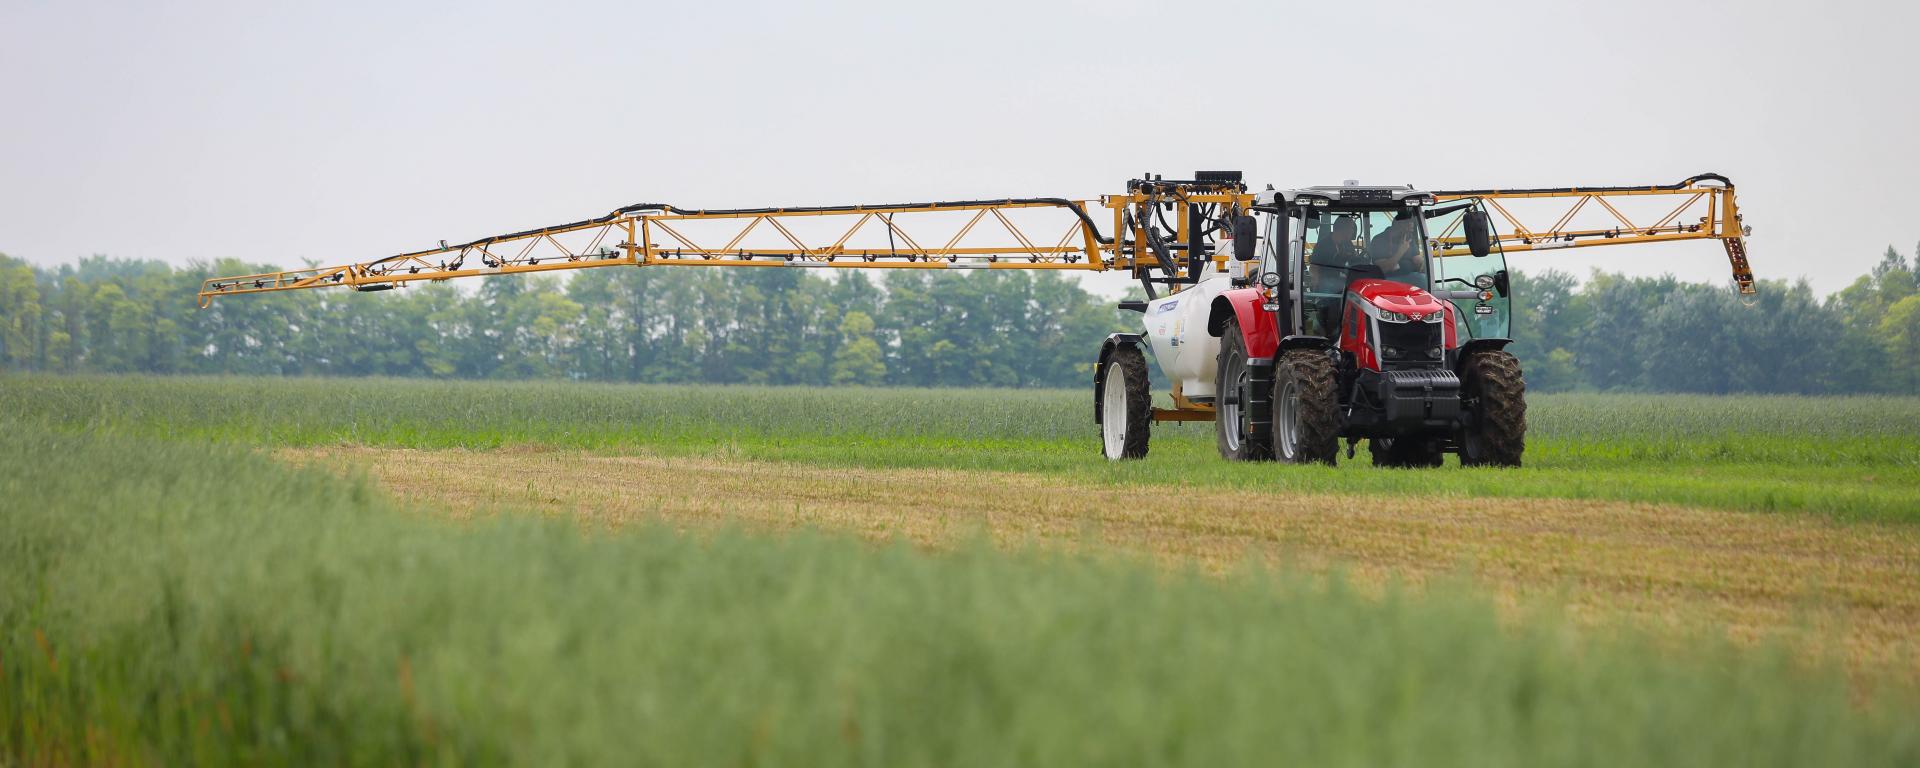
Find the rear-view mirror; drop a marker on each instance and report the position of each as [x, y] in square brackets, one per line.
[1246, 235]
[1479, 233]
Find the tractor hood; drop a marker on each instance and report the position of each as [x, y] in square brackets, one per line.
[1395, 301]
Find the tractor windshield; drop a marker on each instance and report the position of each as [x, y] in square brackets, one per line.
[1347, 245]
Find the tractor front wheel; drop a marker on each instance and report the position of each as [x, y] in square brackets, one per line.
[1306, 408]
[1494, 395]
[1126, 405]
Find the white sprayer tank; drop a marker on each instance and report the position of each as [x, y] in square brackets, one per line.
[1177, 327]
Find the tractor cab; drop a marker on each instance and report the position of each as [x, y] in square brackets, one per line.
[1358, 265]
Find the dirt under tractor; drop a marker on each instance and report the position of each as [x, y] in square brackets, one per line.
[1295, 320]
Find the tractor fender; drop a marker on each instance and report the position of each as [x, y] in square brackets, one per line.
[1474, 345]
[1114, 341]
[1305, 342]
[1256, 324]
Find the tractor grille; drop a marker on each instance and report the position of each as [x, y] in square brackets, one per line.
[1411, 344]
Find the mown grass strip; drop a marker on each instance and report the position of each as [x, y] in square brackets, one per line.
[1822, 586]
[1846, 458]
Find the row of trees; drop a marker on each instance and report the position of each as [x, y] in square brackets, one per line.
[1003, 329]
[761, 326]
[1636, 333]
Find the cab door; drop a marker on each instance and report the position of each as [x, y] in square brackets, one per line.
[1477, 286]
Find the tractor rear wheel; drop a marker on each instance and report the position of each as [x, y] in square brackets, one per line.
[1126, 405]
[1233, 427]
[1306, 408]
[1405, 452]
[1494, 395]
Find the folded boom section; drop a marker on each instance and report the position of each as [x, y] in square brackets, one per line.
[1699, 208]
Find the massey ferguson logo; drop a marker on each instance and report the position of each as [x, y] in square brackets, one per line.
[1417, 317]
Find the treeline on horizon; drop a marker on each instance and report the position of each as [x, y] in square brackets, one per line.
[913, 328]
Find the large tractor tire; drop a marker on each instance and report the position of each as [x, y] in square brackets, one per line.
[1405, 452]
[1233, 427]
[1126, 405]
[1306, 408]
[1494, 395]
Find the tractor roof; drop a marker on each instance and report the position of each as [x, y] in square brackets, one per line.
[1345, 193]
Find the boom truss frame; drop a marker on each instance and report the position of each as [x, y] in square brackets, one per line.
[1171, 252]
[1699, 208]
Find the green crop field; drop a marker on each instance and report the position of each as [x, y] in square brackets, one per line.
[1848, 458]
[267, 571]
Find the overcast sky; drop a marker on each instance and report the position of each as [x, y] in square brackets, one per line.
[342, 131]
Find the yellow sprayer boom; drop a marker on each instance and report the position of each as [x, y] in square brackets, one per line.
[1019, 233]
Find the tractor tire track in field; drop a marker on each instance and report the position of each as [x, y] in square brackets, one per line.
[1852, 589]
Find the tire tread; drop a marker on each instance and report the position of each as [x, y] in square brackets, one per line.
[1494, 379]
[1232, 343]
[1320, 419]
[1132, 366]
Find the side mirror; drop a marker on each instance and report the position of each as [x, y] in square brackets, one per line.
[1479, 233]
[1500, 282]
[1246, 236]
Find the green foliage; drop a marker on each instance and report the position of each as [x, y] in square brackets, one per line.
[1658, 334]
[197, 604]
[858, 361]
[932, 328]
[1901, 330]
[1855, 458]
[19, 314]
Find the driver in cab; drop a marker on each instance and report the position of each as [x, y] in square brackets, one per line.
[1336, 250]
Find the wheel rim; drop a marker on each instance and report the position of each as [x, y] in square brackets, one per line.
[1288, 409]
[1232, 413]
[1113, 412]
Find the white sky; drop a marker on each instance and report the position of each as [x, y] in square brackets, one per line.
[342, 131]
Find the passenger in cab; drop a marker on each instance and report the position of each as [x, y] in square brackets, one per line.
[1394, 252]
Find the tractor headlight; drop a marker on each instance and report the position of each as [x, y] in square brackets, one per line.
[1270, 279]
[1391, 316]
[1483, 282]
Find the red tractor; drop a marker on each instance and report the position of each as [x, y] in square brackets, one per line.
[1349, 313]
